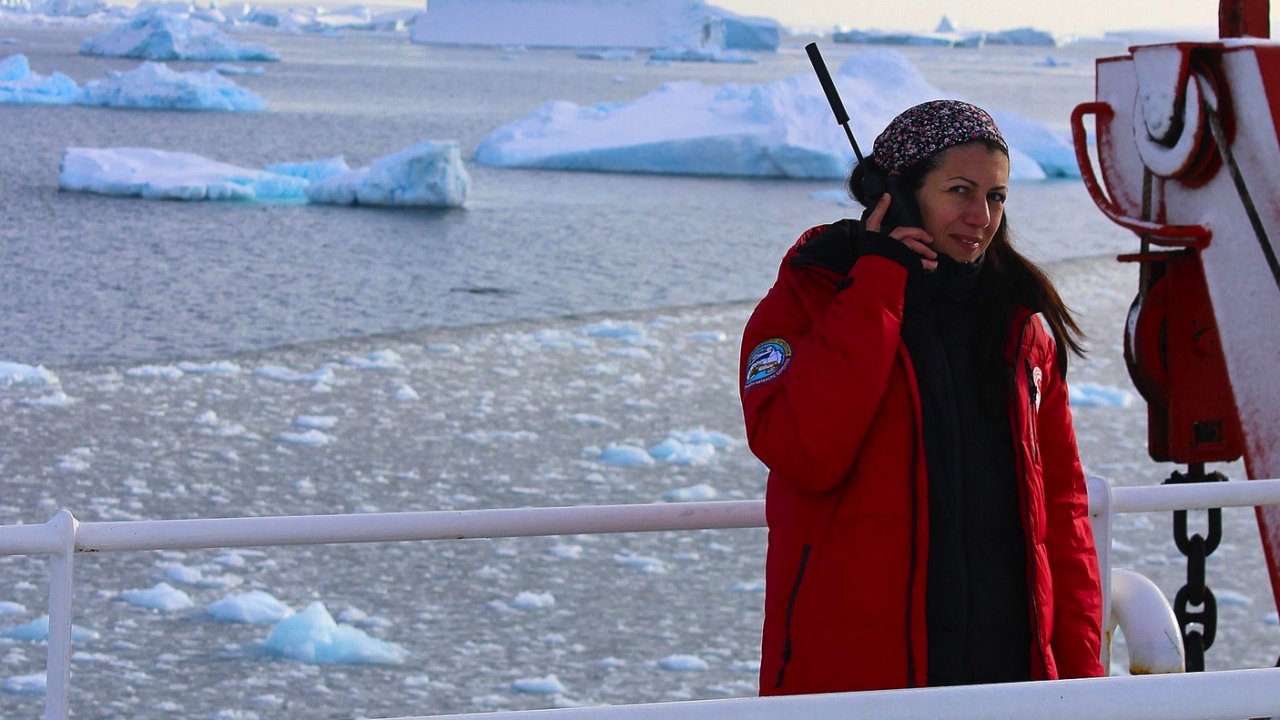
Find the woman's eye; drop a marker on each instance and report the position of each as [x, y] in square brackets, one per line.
[960, 189]
[998, 197]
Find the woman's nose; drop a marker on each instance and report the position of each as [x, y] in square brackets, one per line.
[978, 213]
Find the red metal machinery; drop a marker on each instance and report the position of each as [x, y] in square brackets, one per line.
[1187, 143]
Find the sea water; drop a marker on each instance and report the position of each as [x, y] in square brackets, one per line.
[219, 360]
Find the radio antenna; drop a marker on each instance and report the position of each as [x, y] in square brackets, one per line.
[833, 97]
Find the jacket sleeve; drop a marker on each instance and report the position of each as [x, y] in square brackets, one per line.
[1073, 558]
[807, 421]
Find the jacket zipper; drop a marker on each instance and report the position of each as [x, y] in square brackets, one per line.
[911, 568]
[791, 606]
[1026, 484]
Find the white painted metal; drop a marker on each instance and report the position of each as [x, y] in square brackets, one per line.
[1101, 518]
[1229, 695]
[1195, 496]
[437, 525]
[1148, 624]
[57, 699]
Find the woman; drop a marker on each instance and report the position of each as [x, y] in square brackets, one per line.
[928, 522]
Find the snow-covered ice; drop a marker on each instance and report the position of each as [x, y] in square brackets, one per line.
[156, 86]
[20, 86]
[155, 34]
[166, 175]
[312, 636]
[592, 24]
[12, 373]
[162, 596]
[778, 129]
[256, 607]
[429, 174]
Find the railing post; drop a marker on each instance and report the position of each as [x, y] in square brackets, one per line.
[57, 674]
[1101, 518]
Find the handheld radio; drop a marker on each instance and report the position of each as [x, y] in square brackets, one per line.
[902, 206]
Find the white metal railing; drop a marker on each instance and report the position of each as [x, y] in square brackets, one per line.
[1233, 694]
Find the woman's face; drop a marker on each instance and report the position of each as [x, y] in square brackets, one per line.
[962, 201]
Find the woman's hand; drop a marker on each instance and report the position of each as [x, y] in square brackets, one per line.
[913, 237]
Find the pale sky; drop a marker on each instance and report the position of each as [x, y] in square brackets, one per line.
[1062, 16]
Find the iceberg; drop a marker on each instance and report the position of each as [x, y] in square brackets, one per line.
[779, 129]
[688, 54]
[645, 24]
[160, 174]
[20, 86]
[155, 34]
[154, 85]
[312, 170]
[429, 174]
[313, 636]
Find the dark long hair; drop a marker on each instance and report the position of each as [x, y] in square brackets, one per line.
[1008, 279]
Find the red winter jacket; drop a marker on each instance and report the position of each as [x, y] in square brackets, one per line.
[832, 409]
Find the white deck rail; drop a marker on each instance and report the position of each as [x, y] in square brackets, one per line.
[1226, 695]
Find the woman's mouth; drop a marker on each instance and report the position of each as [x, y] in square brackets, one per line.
[969, 244]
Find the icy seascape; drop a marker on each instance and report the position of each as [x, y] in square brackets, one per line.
[568, 338]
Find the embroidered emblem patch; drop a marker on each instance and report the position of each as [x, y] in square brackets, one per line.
[767, 361]
[1036, 377]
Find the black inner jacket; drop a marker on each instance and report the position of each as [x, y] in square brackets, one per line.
[978, 622]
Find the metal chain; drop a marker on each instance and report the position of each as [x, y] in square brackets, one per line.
[1195, 606]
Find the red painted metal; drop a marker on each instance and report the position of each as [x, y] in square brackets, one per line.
[1244, 18]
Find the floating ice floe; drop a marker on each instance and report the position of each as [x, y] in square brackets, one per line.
[779, 129]
[12, 373]
[316, 422]
[20, 86]
[625, 456]
[377, 360]
[614, 55]
[313, 636]
[693, 54]
[38, 631]
[527, 600]
[695, 493]
[429, 174]
[592, 24]
[155, 86]
[218, 367]
[683, 663]
[33, 684]
[229, 69]
[12, 608]
[312, 170]
[255, 607]
[310, 438]
[164, 175]
[162, 597]
[645, 564]
[549, 685]
[284, 374]
[155, 34]
[1093, 395]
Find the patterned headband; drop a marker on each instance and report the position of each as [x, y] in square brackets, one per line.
[929, 128]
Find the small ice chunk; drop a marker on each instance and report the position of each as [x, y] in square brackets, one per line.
[549, 685]
[162, 597]
[313, 636]
[310, 438]
[625, 456]
[20, 86]
[38, 630]
[676, 452]
[429, 174]
[527, 600]
[219, 367]
[255, 607]
[154, 371]
[156, 34]
[163, 175]
[695, 493]
[683, 663]
[312, 171]
[709, 336]
[316, 422]
[612, 329]
[33, 684]
[648, 565]
[9, 607]
[378, 360]
[404, 393]
[277, 372]
[1094, 395]
[12, 373]
[155, 85]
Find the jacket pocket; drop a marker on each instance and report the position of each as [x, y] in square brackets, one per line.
[791, 606]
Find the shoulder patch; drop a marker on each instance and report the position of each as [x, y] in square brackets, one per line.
[767, 361]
